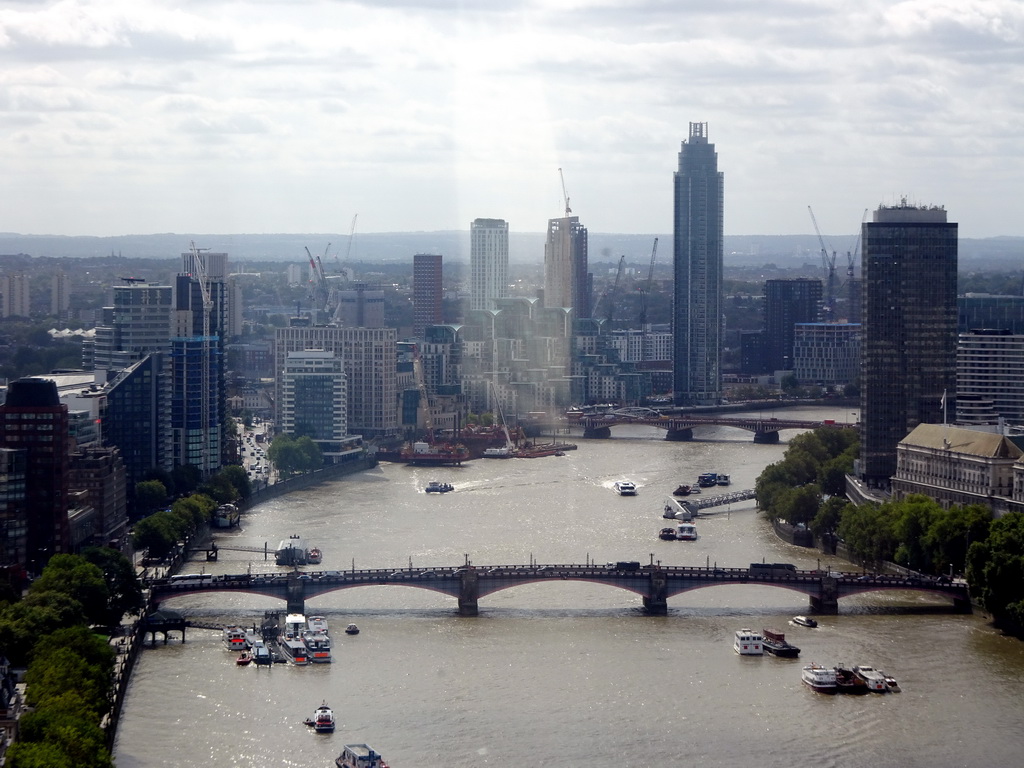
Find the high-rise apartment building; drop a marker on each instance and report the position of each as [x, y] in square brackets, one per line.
[60, 295]
[139, 323]
[990, 377]
[488, 262]
[786, 303]
[567, 281]
[34, 419]
[427, 292]
[368, 356]
[697, 259]
[908, 361]
[314, 394]
[15, 296]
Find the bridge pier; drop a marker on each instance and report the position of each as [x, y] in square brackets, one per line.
[469, 594]
[766, 437]
[656, 599]
[296, 593]
[962, 605]
[827, 599]
[679, 435]
[597, 433]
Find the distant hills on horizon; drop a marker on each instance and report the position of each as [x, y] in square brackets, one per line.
[524, 247]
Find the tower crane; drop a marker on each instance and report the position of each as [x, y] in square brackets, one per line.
[613, 291]
[828, 263]
[565, 195]
[320, 290]
[646, 289]
[351, 237]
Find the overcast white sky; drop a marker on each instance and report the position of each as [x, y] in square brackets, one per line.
[143, 116]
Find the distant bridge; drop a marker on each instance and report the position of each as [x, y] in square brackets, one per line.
[468, 583]
[681, 428]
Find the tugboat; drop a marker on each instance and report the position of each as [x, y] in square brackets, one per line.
[323, 719]
[351, 629]
[775, 643]
[359, 756]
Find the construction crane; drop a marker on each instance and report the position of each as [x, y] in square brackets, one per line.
[565, 195]
[646, 289]
[828, 263]
[320, 291]
[205, 388]
[351, 238]
[421, 384]
[611, 293]
[851, 269]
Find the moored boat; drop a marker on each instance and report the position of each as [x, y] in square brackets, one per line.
[707, 480]
[435, 454]
[291, 643]
[501, 452]
[819, 678]
[873, 679]
[747, 642]
[721, 479]
[243, 658]
[667, 534]
[682, 490]
[291, 551]
[805, 621]
[319, 646]
[775, 643]
[359, 756]
[235, 639]
[261, 655]
[848, 682]
[317, 624]
[625, 487]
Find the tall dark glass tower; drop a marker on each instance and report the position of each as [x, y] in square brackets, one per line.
[908, 353]
[786, 303]
[697, 258]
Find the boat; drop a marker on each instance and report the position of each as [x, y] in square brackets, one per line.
[290, 641]
[261, 655]
[819, 678]
[677, 510]
[891, 684]
[748, 643]
[323, 719]
[243, 659]
[667, 534]
[435, 454]
[847, 682]
[625, 487]
[686, 532]
[314, 556]
[873, 679]
[502, 452]
[359, 756]
[351, 629]
[226, 516]
[317, 624]
[235, 639]
[722, 479]
[707, 480]
[775, 643]
[437, 487]
[291, 551]
[805, 621]
[319, 646]
[682, 490]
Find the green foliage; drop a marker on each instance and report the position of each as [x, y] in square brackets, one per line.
[995, 569]
[220, 488]
[124, 590]
[78, 579]
[150, 495]
[239, 480]
[22, 624]
[293, 456]
[187, 478]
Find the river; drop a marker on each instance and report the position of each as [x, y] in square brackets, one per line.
[568, 674]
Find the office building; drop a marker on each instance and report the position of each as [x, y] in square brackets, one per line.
[139, 323]
[567, 282]
[908, 361]
[100, 472]
[13, 520]
[990, 377]
[981, 310]
[33, 419]
[314, 395]
[786, 303]
[427, 292]
[827, 354]
[488, 262]
[697, 258]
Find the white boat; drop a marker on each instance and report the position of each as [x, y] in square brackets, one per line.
[819, 678]
[314, 556]
[686, 532]
[873, 679]
[226, 516]
[323, 719]
[722, 479]
[291, 551]
[805, 621]
[291, 642]
[319, 646]
[235, 639]
[503, 452]
[625, 488]
[317, 624]
[261, 654]
[359, 756]
[748, 643]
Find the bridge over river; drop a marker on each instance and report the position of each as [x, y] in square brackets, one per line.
[468, 583]
[680, 428]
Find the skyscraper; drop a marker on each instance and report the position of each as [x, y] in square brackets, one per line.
[426, 292]
[697, 258]
[566, 279]
[488, 262]
[786, 303]
[908, 361]
[14, 294]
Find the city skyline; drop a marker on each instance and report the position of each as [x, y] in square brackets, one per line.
[133, 117]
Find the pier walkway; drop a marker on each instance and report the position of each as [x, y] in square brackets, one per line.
[468, 583]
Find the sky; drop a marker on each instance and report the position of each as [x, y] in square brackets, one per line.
[147, 116]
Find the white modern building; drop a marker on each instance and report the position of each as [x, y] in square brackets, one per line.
[314, 402]
[488, 262]
[990, 377]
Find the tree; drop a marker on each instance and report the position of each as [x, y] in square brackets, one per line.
[150, 495]
[79, 579]
[124, 591]
[220, 488]
[995, 570]
[239, 480]
[187, 478]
